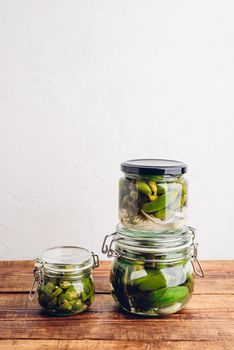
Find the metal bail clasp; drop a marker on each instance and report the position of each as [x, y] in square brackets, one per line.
[192, 230]
[111, 253]
[105, 248]
[38, 278]
[95, 260]
[197, 272]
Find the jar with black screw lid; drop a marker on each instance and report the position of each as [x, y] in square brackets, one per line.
[153, 194]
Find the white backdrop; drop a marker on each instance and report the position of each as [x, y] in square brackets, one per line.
[87, 84]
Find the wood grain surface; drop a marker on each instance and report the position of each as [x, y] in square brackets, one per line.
[206, 323]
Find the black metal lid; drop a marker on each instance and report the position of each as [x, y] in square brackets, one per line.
[154, 167]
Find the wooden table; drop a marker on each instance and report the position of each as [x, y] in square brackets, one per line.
[206, 323]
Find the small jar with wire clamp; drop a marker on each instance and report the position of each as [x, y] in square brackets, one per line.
[63, 280]
[152, 276]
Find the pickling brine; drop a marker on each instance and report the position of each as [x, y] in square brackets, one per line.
[151, 289]
[62, 295]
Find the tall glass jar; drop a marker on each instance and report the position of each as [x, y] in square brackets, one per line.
[64, 280]
[153, 194]
[152, 277]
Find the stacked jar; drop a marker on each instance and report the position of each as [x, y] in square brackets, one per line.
[155, 253]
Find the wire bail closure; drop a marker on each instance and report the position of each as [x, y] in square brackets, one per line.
[38, 278]
[107, 249]
[194, 256]
[95, 260]
[195, 260]
[111, 253]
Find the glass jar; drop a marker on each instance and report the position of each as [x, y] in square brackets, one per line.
[153, 194]
[152, 277]
[64, 280]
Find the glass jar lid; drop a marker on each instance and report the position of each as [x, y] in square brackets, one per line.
[153, 167]
[66, 255]
[156, 248]
[68, 258]
[163, 235]
[169, 250]
[158, 243]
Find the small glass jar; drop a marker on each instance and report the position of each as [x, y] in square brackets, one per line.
[153, 194]
[152, 277]
[64, 280]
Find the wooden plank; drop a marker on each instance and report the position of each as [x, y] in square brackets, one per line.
[16, 276]
[113, 345]
[18, 304]
[206, 318]
[206, 323]
[137, 330]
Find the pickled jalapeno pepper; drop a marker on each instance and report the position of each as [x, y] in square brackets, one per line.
[62, 296]
[63, 280]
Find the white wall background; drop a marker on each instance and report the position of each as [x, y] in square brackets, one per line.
[87, 84]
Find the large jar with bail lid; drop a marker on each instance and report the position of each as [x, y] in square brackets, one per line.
[151, 276]
[153, 194]
[63, 280]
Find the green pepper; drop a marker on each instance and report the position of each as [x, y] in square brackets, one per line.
[60, 296]
[183, 200]
[71, 293]
[153, 280]
[154, 296]
[184, 188]
[52, 303]
[64, 304]
[172, 295]
[65, 284]
[162, 188]
[153, 186]
[153, 197]
[143, 187]
[77, 304]
[49, 287]
[164, 214]
[56, 292]
[88, 285]
[161, 202]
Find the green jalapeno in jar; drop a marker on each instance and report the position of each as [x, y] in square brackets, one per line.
[66, 298]
[65, 281]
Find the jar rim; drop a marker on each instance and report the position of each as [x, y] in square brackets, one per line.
[152, 250]
[154, 167]
[157, 244]
[67, 258]
[157, 236]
